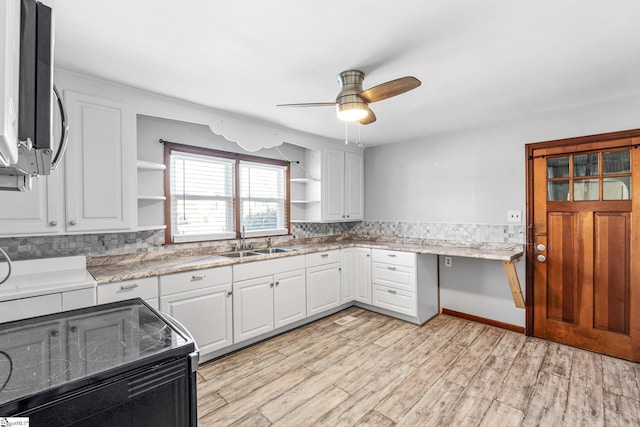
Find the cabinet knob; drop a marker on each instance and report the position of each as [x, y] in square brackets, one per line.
[368, 255]
[229, 293]
[271, 285]
[347, 216]
[53, 223]
[277, 283]
[541, 258]
[73, 222]
[73, 329]
[54, 333]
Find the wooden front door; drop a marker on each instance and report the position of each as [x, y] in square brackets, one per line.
[584, 243]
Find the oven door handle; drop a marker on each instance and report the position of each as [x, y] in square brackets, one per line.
[195, 355]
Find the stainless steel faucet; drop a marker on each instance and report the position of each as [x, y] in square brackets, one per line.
[269, 242]
[242, 239]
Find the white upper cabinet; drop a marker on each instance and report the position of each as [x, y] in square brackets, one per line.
[353, 186]
[37, 211]
[9, 73]
[342, 181]
[99, 164]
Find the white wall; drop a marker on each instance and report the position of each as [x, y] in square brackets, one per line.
[475, 176]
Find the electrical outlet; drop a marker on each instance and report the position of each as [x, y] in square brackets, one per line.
[448, 262]
[514, 216]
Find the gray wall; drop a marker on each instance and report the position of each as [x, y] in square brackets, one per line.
[475, 176]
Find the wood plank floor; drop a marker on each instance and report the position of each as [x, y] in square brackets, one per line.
[379, 371]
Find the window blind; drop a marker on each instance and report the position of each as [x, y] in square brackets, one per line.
[201, 190]
[263, 198]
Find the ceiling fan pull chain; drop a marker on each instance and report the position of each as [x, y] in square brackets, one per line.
[346, 133]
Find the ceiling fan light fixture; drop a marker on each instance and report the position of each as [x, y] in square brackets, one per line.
[352, 111]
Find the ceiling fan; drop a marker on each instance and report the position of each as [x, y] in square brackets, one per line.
[352, 102]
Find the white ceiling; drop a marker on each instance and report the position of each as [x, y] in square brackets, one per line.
[480, 62]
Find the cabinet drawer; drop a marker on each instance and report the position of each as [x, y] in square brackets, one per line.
[251, 270]
[145, 288]
[395, 300]
[192, 280]
[397, 277]
[29, 307]
[321, 258]
[408, 259]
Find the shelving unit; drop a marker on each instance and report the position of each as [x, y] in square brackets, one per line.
[306, 190]
[150, 195]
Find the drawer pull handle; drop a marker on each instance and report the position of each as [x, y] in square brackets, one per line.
[392, 255]
[391, 291]
[391, 268]
[324, 255]
[128, 287]
[196, 277]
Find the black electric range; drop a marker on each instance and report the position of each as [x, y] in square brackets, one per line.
[114, 364]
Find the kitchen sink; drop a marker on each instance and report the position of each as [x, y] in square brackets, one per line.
[239, 254]
[273, 250]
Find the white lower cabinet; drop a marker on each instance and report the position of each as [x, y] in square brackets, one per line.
[202, 301]
[405, 283]
[323, 281]
[206, 314]
[361, 276]
[265, 303]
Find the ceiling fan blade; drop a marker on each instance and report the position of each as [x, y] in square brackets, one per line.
[390, 88]
[369, 119]
[309, 104]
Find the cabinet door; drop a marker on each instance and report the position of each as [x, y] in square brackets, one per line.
[347, 274]
[289, 297]
[99, 164]
[33, 211]
[206, 313]
[333, 185]
[252, 308]
[323, 288]
[362, 275]
[354, 187]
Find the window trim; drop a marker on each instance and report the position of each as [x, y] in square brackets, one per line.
[237, 157]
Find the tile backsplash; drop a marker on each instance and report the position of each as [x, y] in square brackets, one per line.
[33, 247]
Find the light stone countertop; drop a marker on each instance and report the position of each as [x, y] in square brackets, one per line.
[107, 269]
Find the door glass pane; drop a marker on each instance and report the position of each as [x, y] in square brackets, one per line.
[616, 188]
[558, 167]
[586, 189]
[558, 191]
[585, 165]
[616, 162]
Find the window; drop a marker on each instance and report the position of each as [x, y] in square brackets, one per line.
[598, 176]
[214, 195]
